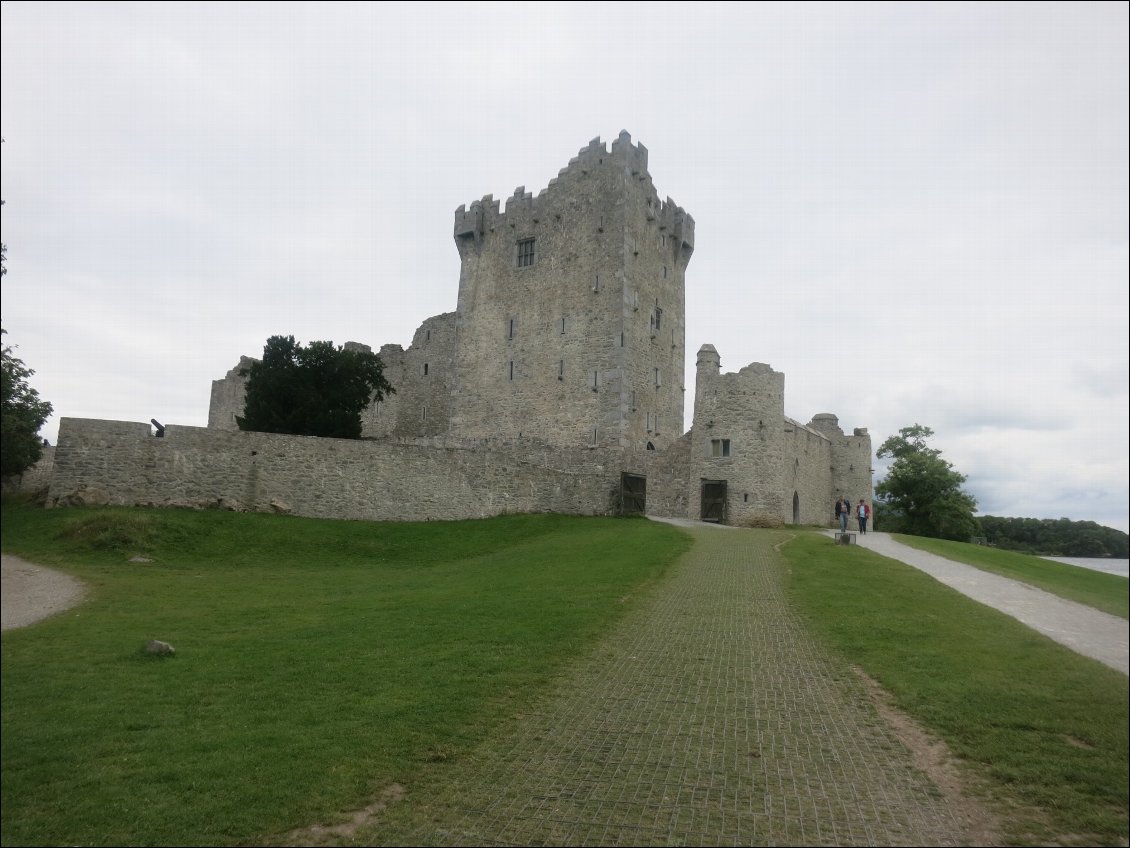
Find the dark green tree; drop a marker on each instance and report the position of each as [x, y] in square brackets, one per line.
[317, 390]
[921, 494]
[1055, 537]
[22, 416]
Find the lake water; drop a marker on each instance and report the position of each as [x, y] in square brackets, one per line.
[1121, 567]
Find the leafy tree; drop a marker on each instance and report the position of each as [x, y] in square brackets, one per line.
[1055, 537]
[319, 390]
[22, 416]
[921, 494]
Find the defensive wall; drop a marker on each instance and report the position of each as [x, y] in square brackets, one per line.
[100, 462]
[122, 463]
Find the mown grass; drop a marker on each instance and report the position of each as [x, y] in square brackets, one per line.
[319, 662]
[1042, 730]
[316, 662]
[1106, 592]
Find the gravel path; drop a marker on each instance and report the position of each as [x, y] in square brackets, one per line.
[32, 592]
[1081, 628]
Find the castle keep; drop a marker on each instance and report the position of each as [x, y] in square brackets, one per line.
[555, 385]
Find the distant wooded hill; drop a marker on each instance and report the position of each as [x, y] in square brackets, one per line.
[1055, 537]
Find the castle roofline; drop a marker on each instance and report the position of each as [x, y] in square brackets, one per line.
[482, 215]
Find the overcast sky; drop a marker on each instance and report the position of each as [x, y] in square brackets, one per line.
[917, 212]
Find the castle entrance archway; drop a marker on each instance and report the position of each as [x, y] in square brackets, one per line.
[633, 494]
[714, 500]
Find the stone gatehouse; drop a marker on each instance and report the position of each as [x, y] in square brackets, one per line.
[556, 384]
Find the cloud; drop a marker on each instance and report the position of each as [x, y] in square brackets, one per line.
[917, 212]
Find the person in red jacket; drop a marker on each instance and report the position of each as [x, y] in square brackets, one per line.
[862, 512]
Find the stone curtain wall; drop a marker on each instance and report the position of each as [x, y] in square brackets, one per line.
[123, 463]
[117, 462]
[35, 479]
[807, 473]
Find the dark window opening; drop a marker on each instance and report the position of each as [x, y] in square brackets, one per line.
[525, 253]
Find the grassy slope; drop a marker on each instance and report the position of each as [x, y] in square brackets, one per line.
[316, 661]
[320, 661]
[1044, 728]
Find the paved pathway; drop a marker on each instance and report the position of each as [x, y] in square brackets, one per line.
[709, 717]
[1084, 629]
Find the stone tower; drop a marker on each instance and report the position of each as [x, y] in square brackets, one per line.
[571, 317]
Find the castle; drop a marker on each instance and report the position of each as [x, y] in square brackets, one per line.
[555, 385]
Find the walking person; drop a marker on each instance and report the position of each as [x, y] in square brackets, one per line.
[843, 507]
[863, 511]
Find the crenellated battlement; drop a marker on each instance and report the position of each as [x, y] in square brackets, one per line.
[474, 221]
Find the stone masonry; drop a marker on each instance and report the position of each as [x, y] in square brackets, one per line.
[567, 343]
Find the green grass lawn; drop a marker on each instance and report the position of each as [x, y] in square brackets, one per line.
[1041, 730]
[316, 661]
[319, 662]
[1106, 592]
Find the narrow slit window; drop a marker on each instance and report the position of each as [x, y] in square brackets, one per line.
[561, 326]
[424, 413]
[658, 379]
[560, 369]
[594, 376]
[425, 369]
[510, 329]
[511, 370]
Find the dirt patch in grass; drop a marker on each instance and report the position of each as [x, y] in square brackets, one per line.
[980, 824]
[319, 834]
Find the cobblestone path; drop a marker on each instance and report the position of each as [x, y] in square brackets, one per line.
[709, 717]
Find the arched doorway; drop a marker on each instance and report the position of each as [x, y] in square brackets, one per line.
[796, 508]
